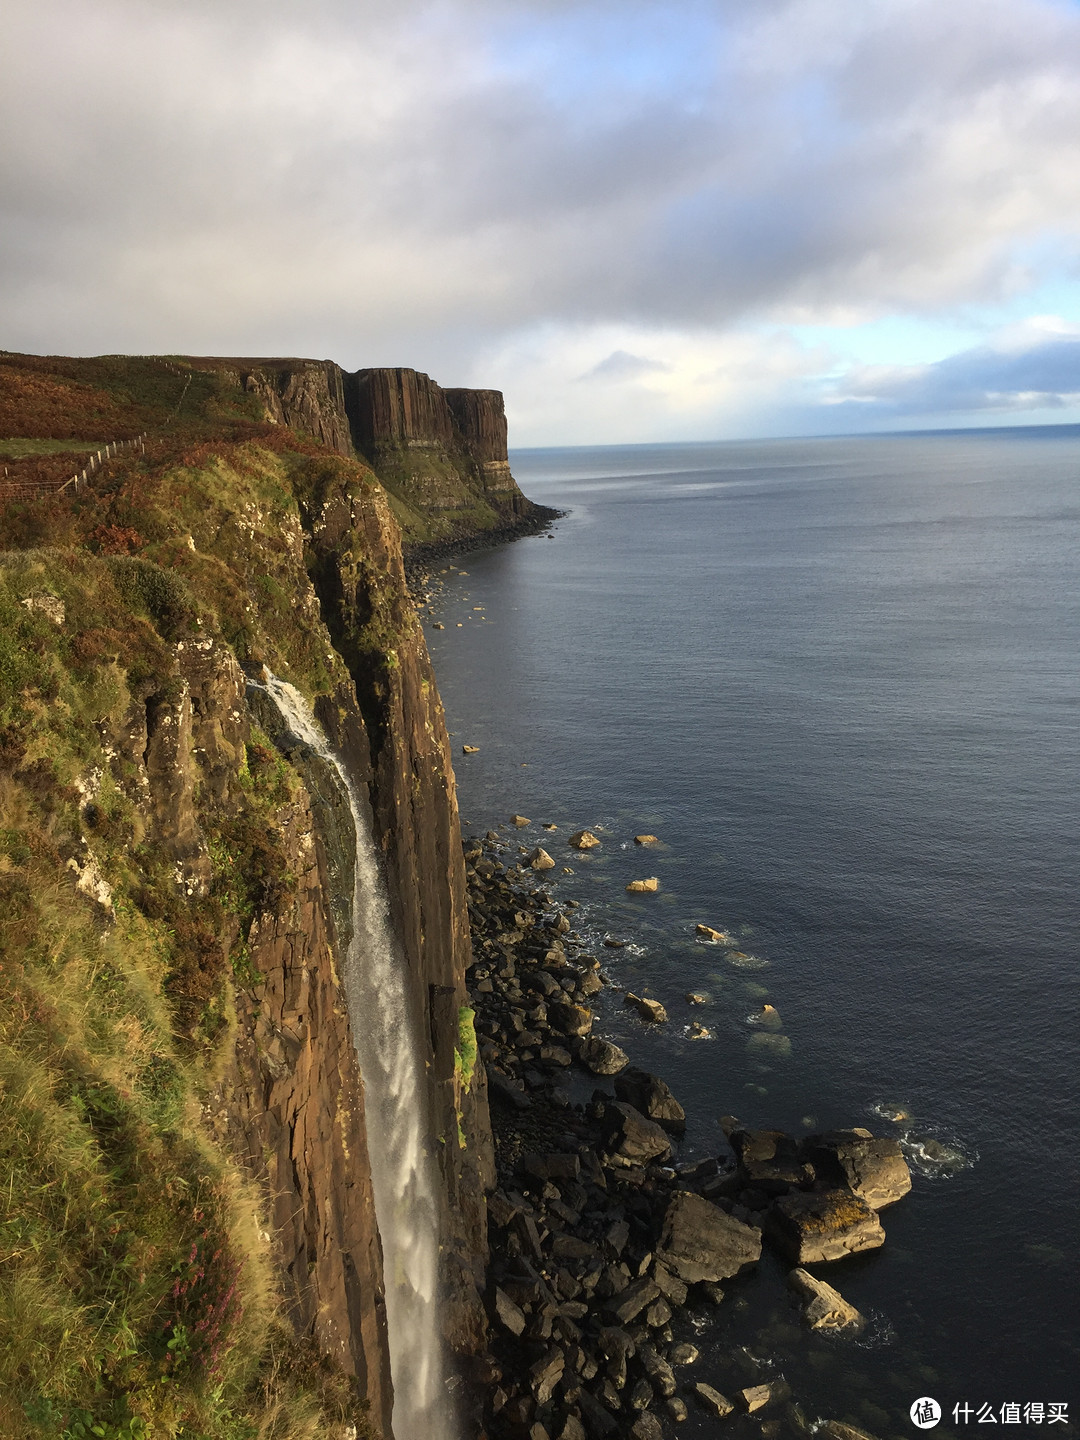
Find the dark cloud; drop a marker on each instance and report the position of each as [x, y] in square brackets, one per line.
[1043, 376]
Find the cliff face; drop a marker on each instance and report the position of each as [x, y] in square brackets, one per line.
[305, 395]
[143, 781]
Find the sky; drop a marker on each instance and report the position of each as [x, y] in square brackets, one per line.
[643, 220]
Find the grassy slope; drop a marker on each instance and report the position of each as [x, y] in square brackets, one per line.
[136, 1292]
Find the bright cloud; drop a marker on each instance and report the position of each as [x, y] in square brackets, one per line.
[648, 193]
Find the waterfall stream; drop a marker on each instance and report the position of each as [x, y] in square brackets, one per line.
[384, 1033]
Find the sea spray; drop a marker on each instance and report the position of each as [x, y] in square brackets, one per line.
[384, 1033]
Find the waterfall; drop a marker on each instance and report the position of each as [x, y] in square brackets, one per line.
[402, 1172]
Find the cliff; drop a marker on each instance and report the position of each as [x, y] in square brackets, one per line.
[192, 1240]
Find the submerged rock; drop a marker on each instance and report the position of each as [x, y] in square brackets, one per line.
[583, 840]
[646, 840]
[644, 887]
[648, 1009]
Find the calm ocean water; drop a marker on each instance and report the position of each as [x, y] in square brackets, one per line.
[840, 680]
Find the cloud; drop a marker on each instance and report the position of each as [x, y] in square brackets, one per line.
[441, 181]
[620, 365]
[1043, 374]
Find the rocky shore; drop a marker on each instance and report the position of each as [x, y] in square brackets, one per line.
[599, 1237]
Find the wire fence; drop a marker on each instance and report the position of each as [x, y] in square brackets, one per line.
[31, 489]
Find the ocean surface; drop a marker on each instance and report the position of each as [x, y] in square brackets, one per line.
[840, 680]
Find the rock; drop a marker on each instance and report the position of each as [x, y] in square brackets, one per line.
[671, 1287]
[572, 1429]
[547, 825]
[696, 997]
[699, 1241]
[507, 1090]
[614, 944]
[519, 820]
[646, 1427]
[657, 1369]
[646, 840]
[712, 1401]
[650, 1010]
[627, 1305]
[602, 1057]
[555, 1055]
[553, 1166]
[649, 1094]
[627, 1132]
[509, 1314]
[545, 1374]
[770, 1160]
[539, 859]
[470, 749]
[599, 1421]
[676, 1408]
[710, 934]
[583, 840]
[697, 1031]
[562, 924]
[641, 1397]
[837, 1430]
[823, 1225]
[644, 887]
[683, 1354]
[569, 1018]
[823, 1307]
[873, 1168]
[756, 1397]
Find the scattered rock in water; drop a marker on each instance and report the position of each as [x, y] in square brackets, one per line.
[539, 859]
[569, 1018]
[583, 840]
[823, 1307]
[548, 826]
[837, 1430]
[471, 749]
[520, 821]
[699, 1241]
[644, 887]
[697, 1031]
[811, 1227]
[712, 1401]
[873, 1168]
[438, 625]
[720, 936]
[683, 1354]
[756, 1397]
[614, 944]
[652, 1098]
[696, 997]
[650, 1010]
[601, 1057]
[769, 1043]
[646, 840]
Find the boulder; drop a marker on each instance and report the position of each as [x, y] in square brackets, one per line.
[756, 1397]
[539, 859]
[629, 1304]
[470, 749]
[710, 934]
[644, 887]
[509, 1314]
[545, 1374]
[650, 1010]
[649, 1094]
[770, 1160]
[712, 1401]
[699, 1241]
[646, 840]
[602, 1057]
[823, 1307]
[519, 821]
[583, 840]
[810, 1227]
[646, 1427]
[569, 1018]
[874, 1169]
[627, 1132]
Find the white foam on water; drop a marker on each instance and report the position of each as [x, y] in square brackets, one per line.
[402, 1171]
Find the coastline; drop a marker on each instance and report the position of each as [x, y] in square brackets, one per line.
[604, 1247]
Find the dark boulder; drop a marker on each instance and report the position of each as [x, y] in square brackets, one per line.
[649, 1094]
[699, 1241]
[628, 1133]
[872, 1168]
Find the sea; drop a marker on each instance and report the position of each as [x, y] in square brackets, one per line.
[839, 679]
